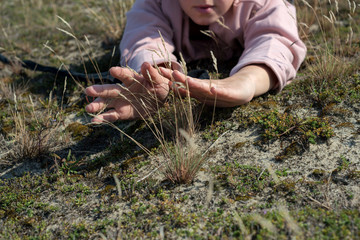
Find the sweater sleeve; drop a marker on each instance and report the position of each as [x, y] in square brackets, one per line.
[271, 38]
[141, 41]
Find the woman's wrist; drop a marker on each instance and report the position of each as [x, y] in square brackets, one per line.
[258, 78]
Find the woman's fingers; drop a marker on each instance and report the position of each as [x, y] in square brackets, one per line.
[97, 105]
[109, 116]
[124, 113]
[104, 91]
[196, 87]
[125, 75]
[167, 73]
[153, 75]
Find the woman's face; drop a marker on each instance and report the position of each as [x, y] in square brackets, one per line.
[205, 12]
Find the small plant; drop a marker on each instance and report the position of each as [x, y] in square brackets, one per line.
[67, 165]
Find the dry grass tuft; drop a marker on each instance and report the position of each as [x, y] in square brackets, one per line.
[35, 132]
[329, 29]
[183, 160]
[111, 15]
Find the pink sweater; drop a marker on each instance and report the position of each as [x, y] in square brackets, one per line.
[258, 32]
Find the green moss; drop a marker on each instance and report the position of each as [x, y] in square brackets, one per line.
[286, 186]
[332, 110]
[274, 123]
[242, 198]
[21, 195]
[277, 125]
[345, 125]
[344, 164]
[243, 181]
[293, 149]
[78, 131]
[214, 131]
[319, 173]
[334, 225]
[269, 104]
[239, 145]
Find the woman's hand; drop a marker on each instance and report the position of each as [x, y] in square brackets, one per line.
[250, 81]
[142, 94]
[137, 97]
